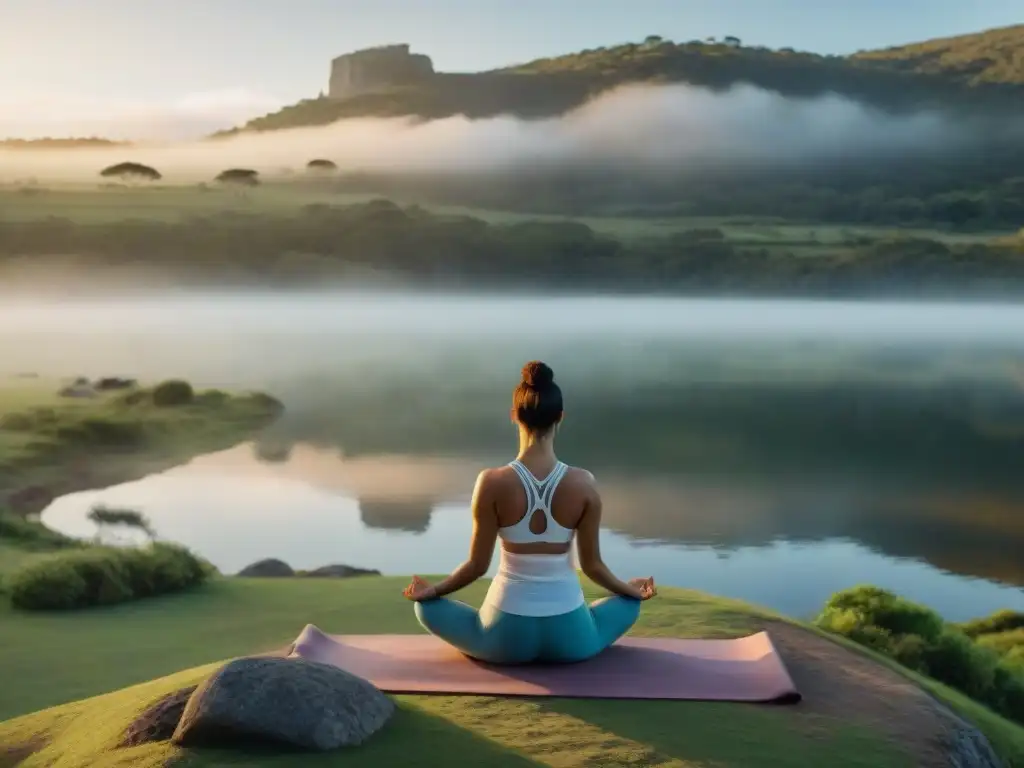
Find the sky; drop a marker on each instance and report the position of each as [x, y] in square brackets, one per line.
[153, 69]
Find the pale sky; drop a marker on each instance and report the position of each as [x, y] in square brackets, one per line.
[183, 68]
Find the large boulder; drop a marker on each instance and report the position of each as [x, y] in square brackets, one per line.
[289, 701]
[265, 569]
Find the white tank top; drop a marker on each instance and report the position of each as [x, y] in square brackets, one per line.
[536, 585]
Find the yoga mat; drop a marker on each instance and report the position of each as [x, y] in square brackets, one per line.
[745, 669]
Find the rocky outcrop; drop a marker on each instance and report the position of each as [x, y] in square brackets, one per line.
[289, 701]
[271, 568]
[375, 68]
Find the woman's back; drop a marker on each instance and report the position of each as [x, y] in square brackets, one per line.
[539, 504]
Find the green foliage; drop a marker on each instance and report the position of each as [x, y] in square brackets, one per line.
[1000, 621]
[173, 392]
[920, 640]
[322, 242]
[105, 576]
[991, 57]
[131, 171]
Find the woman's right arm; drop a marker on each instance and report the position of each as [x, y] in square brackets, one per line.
[588, 545]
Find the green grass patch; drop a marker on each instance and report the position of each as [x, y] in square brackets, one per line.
[45, 439]
[127, 644]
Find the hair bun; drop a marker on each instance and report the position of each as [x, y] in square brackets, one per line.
[537, 375]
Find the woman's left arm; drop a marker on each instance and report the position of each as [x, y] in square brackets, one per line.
[481, 548]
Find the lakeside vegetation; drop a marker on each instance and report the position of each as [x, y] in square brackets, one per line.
[57, 440]
[382, 240]
[983, 659]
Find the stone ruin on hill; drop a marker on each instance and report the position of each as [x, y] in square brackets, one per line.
[375, 68]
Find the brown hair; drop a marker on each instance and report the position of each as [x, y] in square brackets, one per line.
[537, 401]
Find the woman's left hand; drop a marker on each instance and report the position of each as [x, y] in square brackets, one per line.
[419, 590]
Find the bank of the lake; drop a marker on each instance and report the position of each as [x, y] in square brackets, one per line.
[856, 719]
[61, 437]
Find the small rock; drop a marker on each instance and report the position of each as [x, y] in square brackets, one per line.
[158, 721]
[289, 701]
[265, 569]
[338, 572]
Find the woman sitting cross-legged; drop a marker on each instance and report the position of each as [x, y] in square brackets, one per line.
[534, 610]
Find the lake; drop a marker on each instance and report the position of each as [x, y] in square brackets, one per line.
[774, 451]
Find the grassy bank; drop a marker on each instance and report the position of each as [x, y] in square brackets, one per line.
[130, 644]
[51, 444]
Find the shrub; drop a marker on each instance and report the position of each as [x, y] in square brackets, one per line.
[920, 640]
[105, 576]
[173, 392]
[1000, 621]
[875, 607]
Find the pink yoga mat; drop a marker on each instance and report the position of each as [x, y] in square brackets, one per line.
[745, 669]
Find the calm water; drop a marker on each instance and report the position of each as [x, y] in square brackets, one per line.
[772, 451]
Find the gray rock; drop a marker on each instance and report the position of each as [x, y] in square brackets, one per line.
[269, 568]
[288, 701]
[967, 747]
[338, 572]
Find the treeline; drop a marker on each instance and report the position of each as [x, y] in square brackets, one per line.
[921, 194]
[334, 243]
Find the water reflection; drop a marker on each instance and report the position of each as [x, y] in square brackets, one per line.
[784, 545]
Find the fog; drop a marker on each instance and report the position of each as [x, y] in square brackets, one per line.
[277, 339]
[648, 126]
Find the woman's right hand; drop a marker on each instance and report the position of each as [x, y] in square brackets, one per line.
[645, 587]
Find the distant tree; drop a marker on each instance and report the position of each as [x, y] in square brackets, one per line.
[243, 177]
[653, 40]
[321, 165]
[131, 172]
[730, 40]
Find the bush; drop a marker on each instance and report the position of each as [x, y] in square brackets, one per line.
[1000, 621]
[920, 640]
[105, 576]
[173, 392]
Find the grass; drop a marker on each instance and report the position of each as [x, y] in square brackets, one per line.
[129, 644]
[91, 204]
[67, 444]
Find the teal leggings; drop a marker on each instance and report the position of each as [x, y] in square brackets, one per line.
[505, 638]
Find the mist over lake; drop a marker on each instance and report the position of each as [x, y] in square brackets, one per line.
[775, 451]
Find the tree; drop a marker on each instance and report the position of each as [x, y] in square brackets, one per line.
[131, 171]
[652, 40]
[243, 177]
[321, 166]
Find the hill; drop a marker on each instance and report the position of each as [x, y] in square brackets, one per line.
[979, 70]
[992, 57]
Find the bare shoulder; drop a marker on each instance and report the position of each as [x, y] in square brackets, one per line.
[581, 478]
[492, 477]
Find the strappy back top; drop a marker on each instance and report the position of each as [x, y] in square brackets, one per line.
[539, 494]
